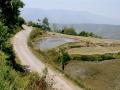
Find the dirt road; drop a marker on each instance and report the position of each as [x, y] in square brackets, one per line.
[27, 58]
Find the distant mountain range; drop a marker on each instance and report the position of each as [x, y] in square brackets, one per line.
[67, 16]
[98, 24]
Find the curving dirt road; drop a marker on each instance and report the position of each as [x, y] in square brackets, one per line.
[27, 58]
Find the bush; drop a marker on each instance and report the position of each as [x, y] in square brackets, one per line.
[21, 21]
[88, 34]
[91, 58]
[4, 35]
[36, 33]
[108, 56]
[69, 31]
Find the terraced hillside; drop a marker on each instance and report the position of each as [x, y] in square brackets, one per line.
[94, 63]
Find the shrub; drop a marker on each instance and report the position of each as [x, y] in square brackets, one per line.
[91, 58]
[88, 34]
[35, 33]
[69, 31]
[108, 56]
[4, 35]
[21, 21]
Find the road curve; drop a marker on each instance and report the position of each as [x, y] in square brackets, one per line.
[28, 58]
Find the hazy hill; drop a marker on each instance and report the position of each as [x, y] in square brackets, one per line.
[67, 16]
[105, 30]
[108, 31]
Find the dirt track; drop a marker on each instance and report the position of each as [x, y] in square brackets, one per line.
[27, 58]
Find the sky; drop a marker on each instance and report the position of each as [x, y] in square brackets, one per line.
[109, 8]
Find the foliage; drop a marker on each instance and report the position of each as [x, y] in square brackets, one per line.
[45, 24]
[42, 24]
[103, 57]
[91, 58]
[10, 11]
[69, 31]
[3, 35]
[21, 21]
[63, 57]
[87, 34]
[36, 33]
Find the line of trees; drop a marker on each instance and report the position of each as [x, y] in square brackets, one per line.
[72, 31]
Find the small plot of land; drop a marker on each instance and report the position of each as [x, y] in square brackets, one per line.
[103, 75]
[93, 50]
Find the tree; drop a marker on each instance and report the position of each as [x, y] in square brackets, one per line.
[63, 57]
[69, 31]
[9, 11]
[45, 24]
[21, 21]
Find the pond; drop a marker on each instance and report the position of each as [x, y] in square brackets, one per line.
[52, 42]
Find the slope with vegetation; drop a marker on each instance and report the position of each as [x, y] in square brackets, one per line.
[14, 76]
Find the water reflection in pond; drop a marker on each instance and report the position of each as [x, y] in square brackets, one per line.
[52, 42]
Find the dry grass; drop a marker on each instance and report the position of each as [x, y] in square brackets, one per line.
[98, 76]
[93, 50]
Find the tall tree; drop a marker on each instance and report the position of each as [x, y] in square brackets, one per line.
[45, 24]
[63, 57]
[10, 11]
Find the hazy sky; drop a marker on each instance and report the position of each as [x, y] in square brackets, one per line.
[109, 8]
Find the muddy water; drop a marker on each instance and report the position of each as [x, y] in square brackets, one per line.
[52, 42]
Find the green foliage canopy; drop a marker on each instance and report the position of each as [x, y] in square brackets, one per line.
[63, 57]
[3, 34]
[10, 11]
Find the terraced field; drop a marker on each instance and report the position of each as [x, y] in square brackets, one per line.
[93, 71]
[94, 50]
